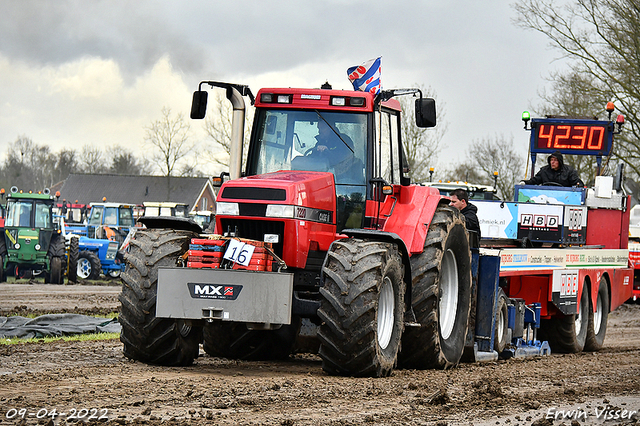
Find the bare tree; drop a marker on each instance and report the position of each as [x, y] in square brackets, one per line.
[124, 162]
[421, 145]
[466, 171]
[497, 154]
[65, 162]
[488, 156]
[170, 138]
[600, 39]
[218, 128]
[32, 167]
[91, 159]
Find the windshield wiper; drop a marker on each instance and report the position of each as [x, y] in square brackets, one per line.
[335, 131]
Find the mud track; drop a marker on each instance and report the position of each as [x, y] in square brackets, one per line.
[68, 377]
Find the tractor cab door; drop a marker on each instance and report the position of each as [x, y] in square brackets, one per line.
[387, 159]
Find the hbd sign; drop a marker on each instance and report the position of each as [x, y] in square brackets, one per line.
[539, 221]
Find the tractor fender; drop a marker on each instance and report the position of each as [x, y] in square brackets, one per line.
[411, 216]
[171, 222]
[388, 237]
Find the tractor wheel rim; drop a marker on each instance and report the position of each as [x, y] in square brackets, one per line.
[84, 268]
[597, 315]
[448, 305]
[501, 320]
[386, 307]
[578, 321]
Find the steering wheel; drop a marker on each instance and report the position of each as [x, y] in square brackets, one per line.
[314, 150]
[296, 138]
[550, 183]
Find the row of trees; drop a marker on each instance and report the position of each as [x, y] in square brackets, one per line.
[172, 152]
[31, 166]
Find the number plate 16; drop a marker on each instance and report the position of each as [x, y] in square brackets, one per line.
[239, 252]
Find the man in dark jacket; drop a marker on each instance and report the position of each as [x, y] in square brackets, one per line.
[556, 171]
[460, 200]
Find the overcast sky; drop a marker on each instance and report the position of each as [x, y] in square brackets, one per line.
[97, 72]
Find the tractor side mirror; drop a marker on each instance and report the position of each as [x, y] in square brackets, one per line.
[425, 112]
[199, 104]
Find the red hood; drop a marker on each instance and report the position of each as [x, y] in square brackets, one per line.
[300, 188]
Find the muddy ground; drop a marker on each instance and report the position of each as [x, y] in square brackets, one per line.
[95, 376]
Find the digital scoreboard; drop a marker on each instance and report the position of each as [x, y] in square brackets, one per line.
[571, 136]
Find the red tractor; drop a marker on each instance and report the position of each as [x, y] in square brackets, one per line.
[322, 236]
[323, 244]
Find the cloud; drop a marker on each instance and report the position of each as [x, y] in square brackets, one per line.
[77, 72]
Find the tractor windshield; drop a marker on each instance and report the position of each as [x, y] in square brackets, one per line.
[20, 213]
[96, 215]
[311, 140]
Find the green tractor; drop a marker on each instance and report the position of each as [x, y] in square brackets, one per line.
[33, 242]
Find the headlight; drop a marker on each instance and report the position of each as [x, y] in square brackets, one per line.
[228, 209]
[37, 247]
[17, 246]
[280, 210]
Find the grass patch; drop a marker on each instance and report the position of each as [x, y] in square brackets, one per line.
[74, 338]
[32, 315]
[70, 338]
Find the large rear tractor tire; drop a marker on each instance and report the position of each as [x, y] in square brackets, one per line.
[145, 337]
[57, 261]
[234, 340]
[501, 334]
[362, 308]
[74, 255]
[441, 295]
[597, 327]
[568, 333]
[88, 266]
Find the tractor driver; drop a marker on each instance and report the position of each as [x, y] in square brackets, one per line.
[331, 146]
[555, 172]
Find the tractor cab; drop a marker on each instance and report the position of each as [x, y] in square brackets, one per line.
[165, 209]
[110, 221]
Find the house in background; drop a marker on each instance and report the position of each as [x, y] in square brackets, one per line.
[87, 188]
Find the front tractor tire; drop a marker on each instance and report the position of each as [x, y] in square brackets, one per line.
[145, 337]
[57, 261]
[441, 295]
[88, 266]
[73, 256]
[362, 308]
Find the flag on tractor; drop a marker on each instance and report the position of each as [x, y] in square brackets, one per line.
[366, 77]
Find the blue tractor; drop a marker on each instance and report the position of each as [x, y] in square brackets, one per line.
[100, 241]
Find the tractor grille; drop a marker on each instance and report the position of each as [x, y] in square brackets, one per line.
[252, 209]
[255, 230]
[248, 193]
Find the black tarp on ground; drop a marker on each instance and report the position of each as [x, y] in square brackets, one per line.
[55, 325]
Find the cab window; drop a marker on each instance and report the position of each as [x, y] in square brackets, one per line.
[96, 215]
[126, 217]
[43, 216]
